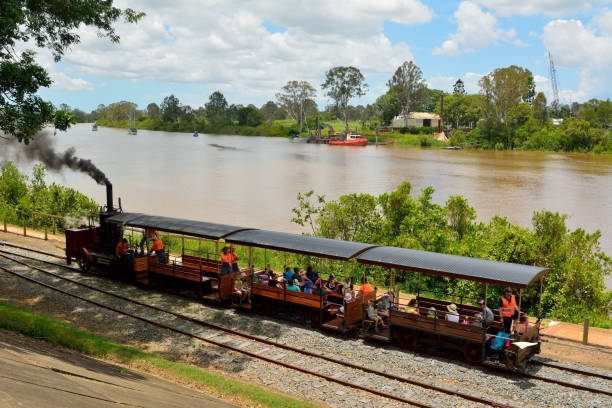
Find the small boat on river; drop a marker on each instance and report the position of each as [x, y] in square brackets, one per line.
[196, 134]
[351, 139]
[94, 128]
[132, 131]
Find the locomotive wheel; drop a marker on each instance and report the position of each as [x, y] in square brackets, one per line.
[84, 259]
[473, 352]
[407, 339]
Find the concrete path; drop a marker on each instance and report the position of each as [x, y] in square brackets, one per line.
[35, 374]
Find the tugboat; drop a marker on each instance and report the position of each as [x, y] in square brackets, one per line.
[351, 139]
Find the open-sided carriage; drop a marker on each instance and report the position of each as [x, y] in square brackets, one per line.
[427, 324]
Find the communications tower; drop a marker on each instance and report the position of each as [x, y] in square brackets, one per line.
[552, 73]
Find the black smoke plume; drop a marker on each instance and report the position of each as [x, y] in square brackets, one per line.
[42, 148]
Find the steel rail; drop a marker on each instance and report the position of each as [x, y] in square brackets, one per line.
[331, 359]
[219, 344]
[259, 339]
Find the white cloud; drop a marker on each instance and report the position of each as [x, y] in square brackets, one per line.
[575, 46]
[64, 82]
[476, 29]
[226, 46]
[604, 21]
[555, 8]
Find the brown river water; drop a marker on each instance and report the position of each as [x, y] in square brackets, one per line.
[253, 181]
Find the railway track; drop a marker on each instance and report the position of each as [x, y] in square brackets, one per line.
[331, 359]
[228, 343]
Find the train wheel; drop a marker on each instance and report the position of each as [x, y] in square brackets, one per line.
[84, 259]
[473, 352]
[407, 339]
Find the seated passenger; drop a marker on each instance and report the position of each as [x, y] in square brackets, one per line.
[294, 286]
[416, 310]
[273, 278]
[158, 248]
[452, 315]
[288, 275]
[523, 324]
[431, 312]
[485, 313]
[308, 287]
[347, 286]
[392, 300]
[476, 320]
[281, 282]
[378, 321]
[365, 287]
[319, 290]
[331, 283]
[383, 306]
[241, 287]
[348, 298]
[264, 278]
[311, 274]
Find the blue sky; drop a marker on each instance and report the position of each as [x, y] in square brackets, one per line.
[248, 49]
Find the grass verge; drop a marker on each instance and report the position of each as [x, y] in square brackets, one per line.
[61, 334]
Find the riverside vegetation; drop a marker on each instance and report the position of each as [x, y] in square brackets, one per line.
[574, 289]
[504, 114]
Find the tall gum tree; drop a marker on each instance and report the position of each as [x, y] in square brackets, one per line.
[342, 84]
[50, 25]
[294, 98]
[408, 85]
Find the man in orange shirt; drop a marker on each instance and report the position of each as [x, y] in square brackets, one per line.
[365, 287]
[149, 235]
[226, 260]
[158, 248]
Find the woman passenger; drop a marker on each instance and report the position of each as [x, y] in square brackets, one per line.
[311, 274]
[226, 260]
[331, 283]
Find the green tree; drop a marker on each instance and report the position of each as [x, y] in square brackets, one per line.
[502, 90]
[268, 110]
[217, 109]
[342, 84]
[597, 112]
[49, 25]
[249, 116]
[461, 215]
[293, 98]
[153, 111]
[170, 109]
[408, 85]
[459, 88]
[540, 113]
[387, 107]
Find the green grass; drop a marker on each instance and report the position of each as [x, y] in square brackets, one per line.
[61, 334]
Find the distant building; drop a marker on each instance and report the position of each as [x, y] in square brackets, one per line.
[557, 122]
[416, 119]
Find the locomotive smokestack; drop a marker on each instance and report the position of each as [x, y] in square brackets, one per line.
[109, 196]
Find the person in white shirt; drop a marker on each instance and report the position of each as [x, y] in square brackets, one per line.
[452, 315]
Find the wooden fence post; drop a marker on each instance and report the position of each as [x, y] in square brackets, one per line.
[585, 331]
[32, 220]
[5, 224]
[24, 227]
[53, 220]
[46, 238]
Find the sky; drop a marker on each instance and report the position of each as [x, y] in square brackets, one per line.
[248, 49]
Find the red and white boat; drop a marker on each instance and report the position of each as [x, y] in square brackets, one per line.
[351, 139]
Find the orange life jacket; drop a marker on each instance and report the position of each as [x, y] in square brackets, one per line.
[508, 307]
[226, 258]
[234, 258]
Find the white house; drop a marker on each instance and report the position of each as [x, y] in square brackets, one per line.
[416, 119]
